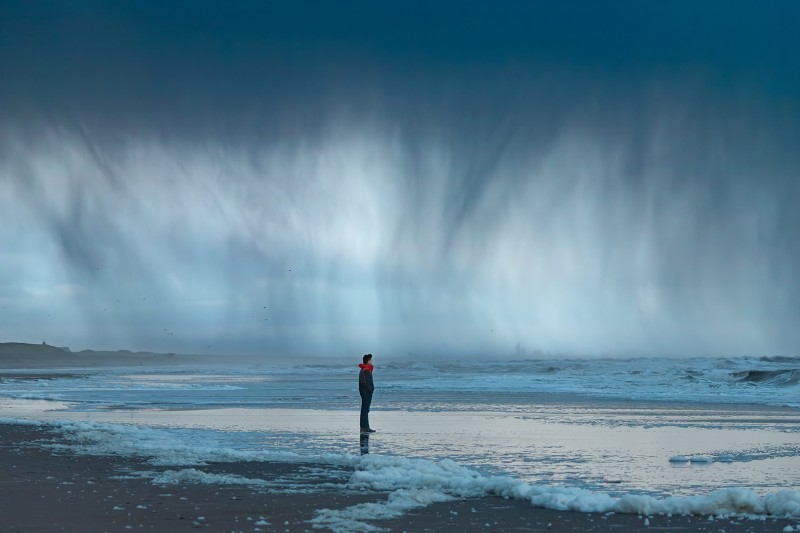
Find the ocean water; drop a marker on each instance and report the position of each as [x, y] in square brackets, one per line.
[710, 436]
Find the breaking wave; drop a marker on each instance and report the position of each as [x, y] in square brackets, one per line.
[769, 377]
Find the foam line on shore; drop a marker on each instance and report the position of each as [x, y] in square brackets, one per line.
[413, 481]
[392, 473]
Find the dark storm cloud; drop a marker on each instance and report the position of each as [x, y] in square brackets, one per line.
[451, 177]
[184, 64]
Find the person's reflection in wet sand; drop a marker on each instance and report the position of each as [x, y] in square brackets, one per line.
[364, 441]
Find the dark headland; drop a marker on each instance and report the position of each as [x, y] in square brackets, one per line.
[23, 355]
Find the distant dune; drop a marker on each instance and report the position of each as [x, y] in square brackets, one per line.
[21, 348]
[15, 355]
[23, 355]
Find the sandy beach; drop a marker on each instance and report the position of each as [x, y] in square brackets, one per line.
[46, 487]
[135, 445]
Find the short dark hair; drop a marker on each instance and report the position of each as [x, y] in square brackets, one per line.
[367, 357]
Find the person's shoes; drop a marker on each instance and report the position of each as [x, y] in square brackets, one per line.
[367, 430]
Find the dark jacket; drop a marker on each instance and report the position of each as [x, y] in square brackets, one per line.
[365, 379]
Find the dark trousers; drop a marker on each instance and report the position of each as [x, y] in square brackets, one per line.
[366, 400]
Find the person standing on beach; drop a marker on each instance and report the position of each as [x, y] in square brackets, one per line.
[365, 388]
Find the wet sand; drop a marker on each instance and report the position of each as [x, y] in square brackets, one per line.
[47, 488]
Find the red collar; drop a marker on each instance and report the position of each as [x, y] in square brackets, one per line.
[368, 368]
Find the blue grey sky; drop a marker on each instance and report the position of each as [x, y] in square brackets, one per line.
[327, 178]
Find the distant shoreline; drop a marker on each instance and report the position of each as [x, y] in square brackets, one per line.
[20, 355]
[15, 355]
[25, 376]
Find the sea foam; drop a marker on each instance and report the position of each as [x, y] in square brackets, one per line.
[413, 482]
